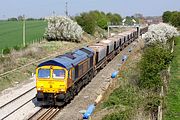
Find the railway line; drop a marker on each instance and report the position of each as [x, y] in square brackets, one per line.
[45, 114]
[11, 101]
[17, 103]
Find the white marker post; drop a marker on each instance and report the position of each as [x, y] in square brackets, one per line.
[24, 31]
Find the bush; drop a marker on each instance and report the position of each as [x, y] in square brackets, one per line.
[126, 96]
[63, 28]
[6, 50]
[153, 61]
[152, 103]
[17, 48]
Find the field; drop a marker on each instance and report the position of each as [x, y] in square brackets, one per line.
[173, 96]
[11, 32]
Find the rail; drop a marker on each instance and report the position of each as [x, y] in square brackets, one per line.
[17, 109]
[17, 98]
[49, 114]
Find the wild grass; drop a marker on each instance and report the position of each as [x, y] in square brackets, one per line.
[172, 99]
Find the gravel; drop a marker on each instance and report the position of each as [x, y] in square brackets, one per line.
[11, 93]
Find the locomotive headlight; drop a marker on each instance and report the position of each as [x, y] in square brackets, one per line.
[39, 89]
[61, 90]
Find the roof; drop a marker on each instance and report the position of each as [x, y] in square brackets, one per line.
[71, 59]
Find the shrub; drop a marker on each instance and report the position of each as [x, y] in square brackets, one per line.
[16, 47]
[63, 28]
[152, 103]
[126, 96]
[153, 61]
[6, 50]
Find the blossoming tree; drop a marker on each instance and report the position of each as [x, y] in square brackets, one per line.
[63, 28]
[160, 33]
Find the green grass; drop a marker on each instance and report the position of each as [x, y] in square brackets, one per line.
[11, 32]
[173, 96]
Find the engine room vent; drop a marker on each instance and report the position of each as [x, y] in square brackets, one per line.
[69, 55]
[85, 50]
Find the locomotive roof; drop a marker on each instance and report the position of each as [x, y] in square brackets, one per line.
[71, 59]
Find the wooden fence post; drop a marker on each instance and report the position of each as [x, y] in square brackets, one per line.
[2, 52]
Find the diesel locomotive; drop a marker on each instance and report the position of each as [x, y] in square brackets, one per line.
[59, 79]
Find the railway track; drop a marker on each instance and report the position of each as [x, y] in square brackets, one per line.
[17, 109]
[45, 114]
[16, 98]
[17, 102]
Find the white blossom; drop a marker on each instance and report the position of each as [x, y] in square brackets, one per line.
[160, 33]
[63, 28]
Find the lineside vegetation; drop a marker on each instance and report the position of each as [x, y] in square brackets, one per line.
[172, 99]
[138, 95]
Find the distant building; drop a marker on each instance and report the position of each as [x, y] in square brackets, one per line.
[153, 19]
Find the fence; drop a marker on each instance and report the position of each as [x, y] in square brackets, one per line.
[8, 49]
[160, 110]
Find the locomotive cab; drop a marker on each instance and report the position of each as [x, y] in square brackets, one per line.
[51, 84]
[51, 79]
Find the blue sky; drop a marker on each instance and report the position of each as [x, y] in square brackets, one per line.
[42, 8]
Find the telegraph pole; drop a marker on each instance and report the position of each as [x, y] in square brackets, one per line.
[66, 12]
[24, 31]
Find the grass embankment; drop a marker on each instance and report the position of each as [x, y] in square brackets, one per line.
[11, 32]
[138, 93]
[172, 99]
[127, 101]
[124, 101]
